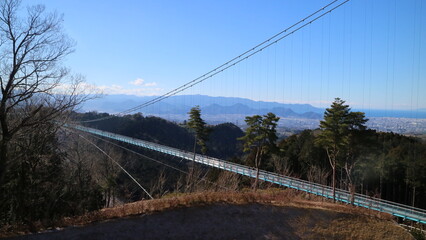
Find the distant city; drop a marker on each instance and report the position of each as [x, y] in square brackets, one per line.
[384, 124]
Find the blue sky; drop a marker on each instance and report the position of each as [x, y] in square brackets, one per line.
[370, 53]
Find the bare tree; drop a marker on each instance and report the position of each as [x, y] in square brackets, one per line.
[229, 179]
[281, 165]
[194, 178]
[318, 174]
[35, 87]
[158, 186]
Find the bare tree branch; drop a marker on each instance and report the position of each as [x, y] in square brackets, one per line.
[35, 87]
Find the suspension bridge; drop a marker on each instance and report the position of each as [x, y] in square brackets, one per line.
[396, 209]
[399, 210]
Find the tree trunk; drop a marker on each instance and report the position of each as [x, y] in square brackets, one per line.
[108, 197]
[257, 164]
[256, 180]
[414, 196]
[332, 160]
[3, 161]
[352, 191]
[191, 170]
[195, 146]
[334, 183]
[351, 186]
[113, 197]
[4, 142]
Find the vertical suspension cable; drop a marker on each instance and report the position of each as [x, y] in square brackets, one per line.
[393, 56]
[329, 57]
[371, 56]
[387, 59]
[246, 80]
[344, 55]
[393, 64]
[387, 78]
[234, 70]
[302, 57]
[291, 68]
[259, 80]
[267, 76]
[350, 53]
[364, 62]
[418, 79]
[309, 80]
[413, 61]
[283, 73]
[275, 74]
[419, 62]
[322, 63]
[255, 63]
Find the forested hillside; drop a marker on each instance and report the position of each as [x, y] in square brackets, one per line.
[222, 141]
[392, 166]
[387, 165]
[162, 173]
[59, 173]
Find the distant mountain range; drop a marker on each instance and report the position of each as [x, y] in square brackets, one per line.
[180, 105]
[226, 109]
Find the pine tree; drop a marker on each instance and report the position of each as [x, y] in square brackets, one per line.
[260, 137]
[334, 136]
[340, 130]
[198, 125]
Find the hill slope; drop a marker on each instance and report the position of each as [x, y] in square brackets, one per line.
[261, 215]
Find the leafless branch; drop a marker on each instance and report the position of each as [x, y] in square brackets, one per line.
[35, 87]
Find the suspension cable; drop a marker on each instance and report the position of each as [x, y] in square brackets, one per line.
[155, 160]
[106, 154]
[247, 54]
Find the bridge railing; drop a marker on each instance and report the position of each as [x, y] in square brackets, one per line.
[397, 209]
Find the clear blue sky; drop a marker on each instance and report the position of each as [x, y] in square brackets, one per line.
[368, 52]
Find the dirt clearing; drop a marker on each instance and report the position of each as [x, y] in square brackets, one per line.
[222, 221]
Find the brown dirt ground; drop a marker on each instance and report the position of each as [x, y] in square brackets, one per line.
[272, 214]
[223, 221]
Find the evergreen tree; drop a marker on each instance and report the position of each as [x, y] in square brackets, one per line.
[197, 124]
[360, 139]
[340, 131]
[260, 137]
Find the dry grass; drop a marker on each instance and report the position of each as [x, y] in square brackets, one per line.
[359, 227]
[344, 225]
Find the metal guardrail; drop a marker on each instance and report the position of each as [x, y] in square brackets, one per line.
[396, 209]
